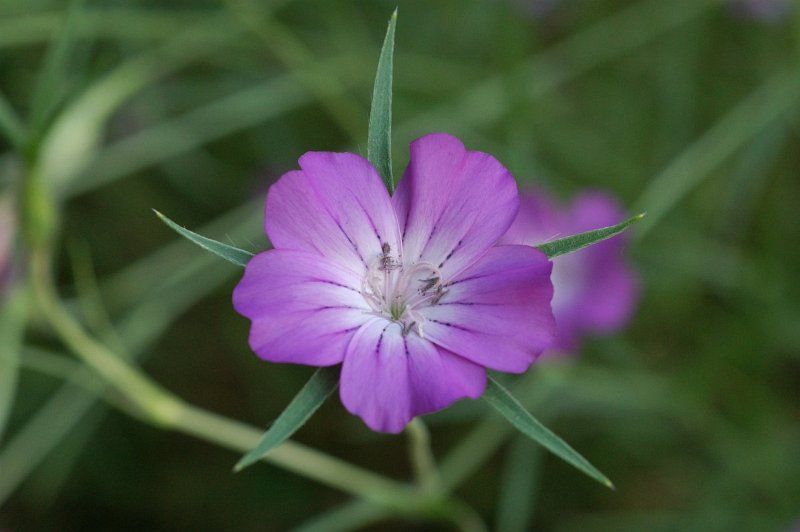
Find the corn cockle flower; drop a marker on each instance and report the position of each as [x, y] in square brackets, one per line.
[409, 293]
[595, 291]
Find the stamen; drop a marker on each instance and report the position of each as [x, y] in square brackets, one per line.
[398, 292]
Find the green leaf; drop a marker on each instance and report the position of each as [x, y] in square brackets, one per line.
[76, 133]
[521, 474]
[53, 79]
[775, 99]
[508, 406]
[569, 244]
[310, 397]
[11, 127]
[72, 412]
[379, 137]
[353, 515]
[229, 253]
[195, 128]
[13, 313]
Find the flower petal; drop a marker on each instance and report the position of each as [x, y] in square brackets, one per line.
[388, 378]
[609, 288]
[452, 204]
[537, 220]
[595, 290]
[337, 206]
[304, 308]
[497, 312]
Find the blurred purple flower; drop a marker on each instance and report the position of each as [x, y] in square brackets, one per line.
[8, 231]
[771, 11]
[595, 290]
[536, 9]
[409, 293]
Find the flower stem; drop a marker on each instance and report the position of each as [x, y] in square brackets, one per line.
[162, 408]
[150, 402]
[158, 405]
[422, 459]
[297, 458]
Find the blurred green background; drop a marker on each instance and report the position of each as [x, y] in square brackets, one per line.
[687, 109]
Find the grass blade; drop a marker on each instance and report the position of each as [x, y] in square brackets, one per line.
[486, 103]
[232, 254]
[13, 314]
[775, 99]
[11, 127]
[310, 397]
[517, 497]
[379, 137]
[74, 409]
[53, 79]
[153, 145]
[353, 515]
[76, 133]
[508, 406]
[299, 59]
[43, 432]
[573, 243]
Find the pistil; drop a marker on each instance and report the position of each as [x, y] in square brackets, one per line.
[398, 292]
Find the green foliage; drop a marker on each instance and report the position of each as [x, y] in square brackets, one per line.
[573, 243]
[379, 138]
[11, 126]
[764, 107]
[521, 474]
[54, 77]
[310, 397]
[232, 254]
[516, 414]
[13, 313]
[197, 109]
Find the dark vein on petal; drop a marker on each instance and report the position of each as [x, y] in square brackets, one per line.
[380, 339]
[451, 253]
[333, 283]
[453, 325]
[355, 247]
[323, 201]
[345, 331]
[371, 222]
[472, 303]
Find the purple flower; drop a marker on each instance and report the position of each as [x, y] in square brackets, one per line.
[771, 11]
[409, 293]
[595, 291]
[8, 230]
[536, 9]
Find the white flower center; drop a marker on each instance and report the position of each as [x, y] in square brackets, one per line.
[397, 293]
